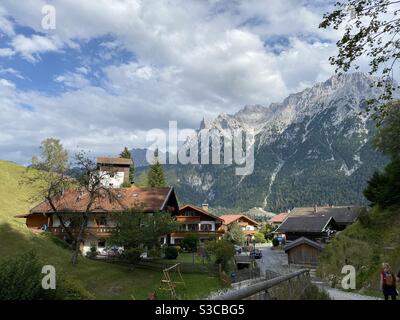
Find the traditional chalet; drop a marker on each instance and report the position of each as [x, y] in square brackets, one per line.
[114, 170]
[303, 251]
[317, 228]
[100, 224]
[248, 225]
[276, 220]
[196, 220]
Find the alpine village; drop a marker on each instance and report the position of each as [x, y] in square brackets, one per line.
[89, 205]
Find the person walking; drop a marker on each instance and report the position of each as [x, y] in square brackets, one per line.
[388, 282]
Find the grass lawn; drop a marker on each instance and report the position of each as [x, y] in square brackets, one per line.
[102, 280]
[188, 258]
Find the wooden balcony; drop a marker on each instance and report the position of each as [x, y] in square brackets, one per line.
[183, 233]
[96, 231]
[188, 219]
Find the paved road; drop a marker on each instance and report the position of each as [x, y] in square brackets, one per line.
[273, 260]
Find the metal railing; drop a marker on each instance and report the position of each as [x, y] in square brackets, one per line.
[260, 287]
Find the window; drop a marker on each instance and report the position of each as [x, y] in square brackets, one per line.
[182, 227]
[189, 213]
[206, 227]
[101, 221]
[193, 227]
[101, 243]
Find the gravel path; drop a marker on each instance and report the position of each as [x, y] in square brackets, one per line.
[337, 294]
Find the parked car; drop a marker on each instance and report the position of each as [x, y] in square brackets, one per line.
[256, 254]
[113, 251]
[238, 249]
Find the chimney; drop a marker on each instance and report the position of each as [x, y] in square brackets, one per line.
[205, 206]
[315, 209]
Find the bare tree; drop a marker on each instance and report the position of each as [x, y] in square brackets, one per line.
[52, 186]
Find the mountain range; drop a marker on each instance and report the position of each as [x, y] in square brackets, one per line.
[313, 148]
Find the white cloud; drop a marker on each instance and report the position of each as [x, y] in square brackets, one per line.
[6, 83]
[191, 59]
[30, 48]
[6, 52]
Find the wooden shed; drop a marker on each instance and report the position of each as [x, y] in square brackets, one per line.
[303, 251]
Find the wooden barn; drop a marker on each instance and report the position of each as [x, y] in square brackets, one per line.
[303, 251]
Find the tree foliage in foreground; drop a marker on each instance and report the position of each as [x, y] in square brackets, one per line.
[372, 31]
[137, 231]
[21, 279]
[384, 187]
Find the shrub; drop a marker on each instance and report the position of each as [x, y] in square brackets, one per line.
[171, 253]
[364, 218]
[21, 279]
[154, 253]
[275, 242]
[223, 251]
[190, 242]
[179, 249]
[259, 237]
[72, 290]
[132, 255]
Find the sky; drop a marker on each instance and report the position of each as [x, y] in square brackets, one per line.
[107, 71]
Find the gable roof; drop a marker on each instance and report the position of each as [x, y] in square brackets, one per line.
[279, 218]
[153, 200]
[200, 210]
[303, 240]
[307, 224]
[114, 161]
[342, 214]
[230, 218]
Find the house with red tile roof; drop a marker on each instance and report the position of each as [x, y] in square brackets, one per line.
[100, 224]
[249, 226]
[276, 220]
[197, 220]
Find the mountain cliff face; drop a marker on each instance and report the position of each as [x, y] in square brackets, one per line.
[313, 148]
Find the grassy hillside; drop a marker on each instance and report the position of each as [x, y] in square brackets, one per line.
[374, 239]
[103, 281]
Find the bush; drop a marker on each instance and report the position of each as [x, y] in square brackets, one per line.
[223, 250]
[72, 290]
[275, 242]
[132, 255]
[364, 218]
[154, 253]
[190, 242]
[259, 237]
[21, 279]
[171, 253]
[179, 249]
